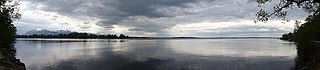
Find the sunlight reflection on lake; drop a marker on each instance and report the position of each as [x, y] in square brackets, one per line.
[156, 54]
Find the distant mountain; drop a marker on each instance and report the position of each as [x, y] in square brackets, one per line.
[47, 32]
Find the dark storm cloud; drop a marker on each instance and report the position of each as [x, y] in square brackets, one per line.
[148, 7]
[145, 24]
[113, 12]
[111, 8]
[153, 16]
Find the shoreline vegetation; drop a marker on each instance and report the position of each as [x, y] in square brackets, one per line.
[9, 12]
[76, 35]
[307, 38]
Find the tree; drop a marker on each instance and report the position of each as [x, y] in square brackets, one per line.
[122, 36]
[287, 36]
[9, 11]
[305, 36]
[310, 6]
[309, 31]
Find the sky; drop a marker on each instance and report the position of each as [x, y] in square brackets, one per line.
[197, 18]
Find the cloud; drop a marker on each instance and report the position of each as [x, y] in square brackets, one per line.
[141, 17]
[243, 28]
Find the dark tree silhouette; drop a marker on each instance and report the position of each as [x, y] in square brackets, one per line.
[287, 36]
[8, 13]
[76, 35]
[306, 36]
[122, 36]
[310, 6]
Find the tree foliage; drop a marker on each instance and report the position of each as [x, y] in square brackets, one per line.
[310, 6]
[306, 36]
[287, 36]
[309, 31]
[9, 11]
[76, 35]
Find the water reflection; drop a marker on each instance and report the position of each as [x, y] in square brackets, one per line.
[157, 54]
[234, 48]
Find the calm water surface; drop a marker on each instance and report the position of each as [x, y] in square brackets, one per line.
[156, 54]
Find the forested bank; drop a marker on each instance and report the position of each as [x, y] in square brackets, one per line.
[76, 35]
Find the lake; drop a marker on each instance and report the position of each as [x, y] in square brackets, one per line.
[156, 54]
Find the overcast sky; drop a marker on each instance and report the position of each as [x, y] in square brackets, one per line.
[153, 17]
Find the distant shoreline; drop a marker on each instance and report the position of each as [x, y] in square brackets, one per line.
[77, 35]
[169, 38]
